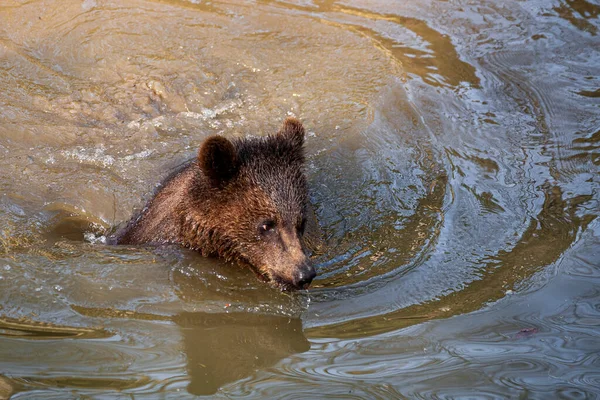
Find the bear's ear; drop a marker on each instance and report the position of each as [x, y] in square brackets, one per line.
[292, 130]
[218, 160]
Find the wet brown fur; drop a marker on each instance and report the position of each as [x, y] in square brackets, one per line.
[217, 203]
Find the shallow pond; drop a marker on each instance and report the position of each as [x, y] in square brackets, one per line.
[453, 155]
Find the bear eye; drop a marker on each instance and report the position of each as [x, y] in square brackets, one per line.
[266, 226]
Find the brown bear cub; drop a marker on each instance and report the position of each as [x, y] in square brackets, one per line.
[244, 200]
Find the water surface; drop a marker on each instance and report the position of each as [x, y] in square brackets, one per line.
[453, 157]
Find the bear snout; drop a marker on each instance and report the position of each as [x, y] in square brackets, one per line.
[304, 277]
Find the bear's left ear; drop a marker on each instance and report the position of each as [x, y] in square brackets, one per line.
[292, 130]
[218, 160]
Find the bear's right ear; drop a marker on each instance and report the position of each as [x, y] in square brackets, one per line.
[218, 160]
[292, 130]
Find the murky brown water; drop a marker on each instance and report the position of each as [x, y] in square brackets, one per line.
[453, 151]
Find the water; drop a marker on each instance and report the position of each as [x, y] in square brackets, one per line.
[453, 157]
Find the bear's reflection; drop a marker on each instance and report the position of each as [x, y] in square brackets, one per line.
[223, 348]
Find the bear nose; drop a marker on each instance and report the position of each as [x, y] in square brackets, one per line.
[305, 277]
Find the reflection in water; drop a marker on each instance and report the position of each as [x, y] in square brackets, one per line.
[427, 56]
[419, 50]
[33, 331]
[6, 388]
[223, 348]
[580, 13]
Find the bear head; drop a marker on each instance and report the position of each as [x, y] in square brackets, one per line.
[250, 204]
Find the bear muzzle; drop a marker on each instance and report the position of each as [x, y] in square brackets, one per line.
[300, 278]
[304, 276]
